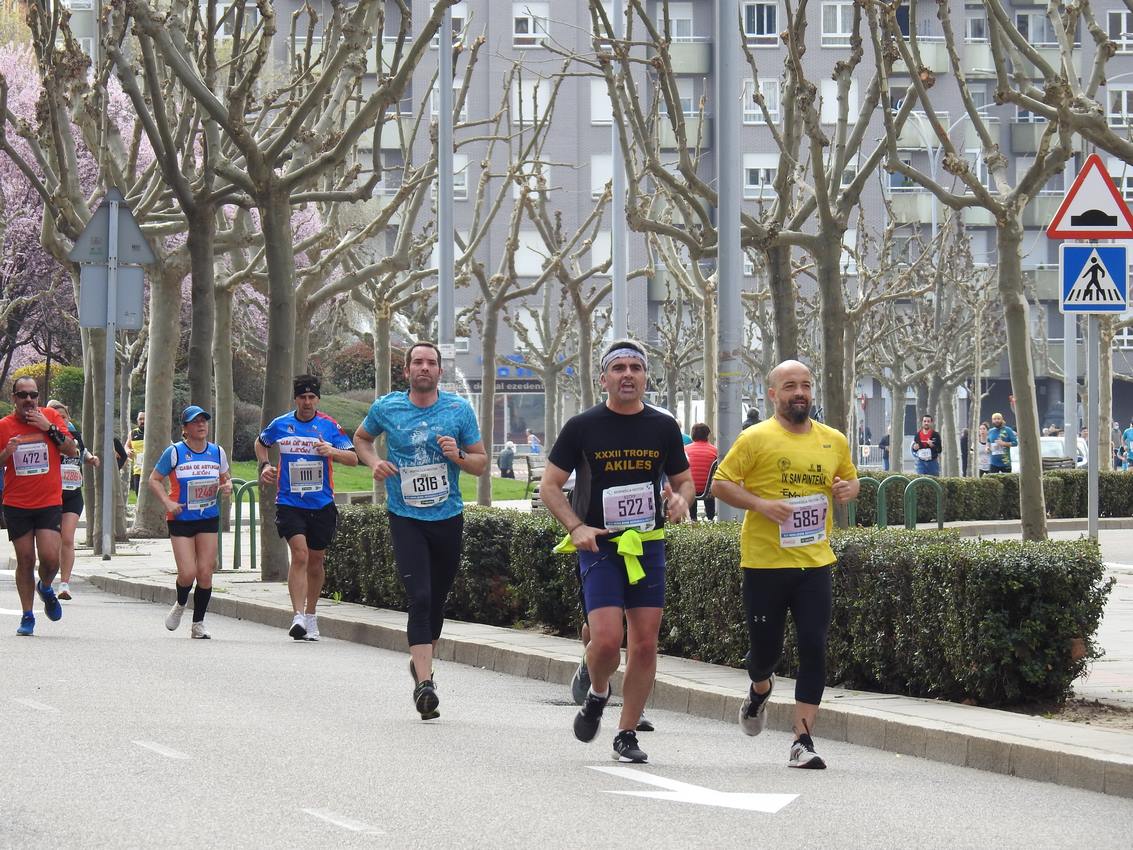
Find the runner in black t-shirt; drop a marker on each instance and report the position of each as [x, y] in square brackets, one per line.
[619, 451]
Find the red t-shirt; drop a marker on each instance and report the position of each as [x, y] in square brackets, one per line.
[700, 454]
[31, 475]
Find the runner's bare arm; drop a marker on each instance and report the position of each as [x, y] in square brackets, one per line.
[157, 486]
[475, 459]
[268, 473]
[364, 446]
[733, 494]
[551, 492]
[682, 493]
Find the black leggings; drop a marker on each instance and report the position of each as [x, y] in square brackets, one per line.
[428, 555]
[768, 594]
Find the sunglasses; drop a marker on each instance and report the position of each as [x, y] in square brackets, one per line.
[27, 394]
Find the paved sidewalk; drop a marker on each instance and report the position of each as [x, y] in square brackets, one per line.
[1047, 750]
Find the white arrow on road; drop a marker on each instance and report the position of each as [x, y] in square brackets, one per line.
[683, 792]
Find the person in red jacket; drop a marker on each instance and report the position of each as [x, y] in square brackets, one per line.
[32, 441]
[701, 455]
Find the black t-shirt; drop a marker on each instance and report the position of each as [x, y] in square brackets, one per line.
[607, 449]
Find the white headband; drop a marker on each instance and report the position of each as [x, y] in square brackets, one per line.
[623, 352]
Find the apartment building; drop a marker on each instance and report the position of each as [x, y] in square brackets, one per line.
[577, 162]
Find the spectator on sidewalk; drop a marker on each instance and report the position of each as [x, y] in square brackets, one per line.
[506, 460]
[701, 455]
[136, 451]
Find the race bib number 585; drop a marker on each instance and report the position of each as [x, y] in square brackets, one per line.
[807, 522]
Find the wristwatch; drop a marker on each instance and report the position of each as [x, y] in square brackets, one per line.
[460, 453]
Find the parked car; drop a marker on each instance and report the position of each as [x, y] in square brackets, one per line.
[1054, 455]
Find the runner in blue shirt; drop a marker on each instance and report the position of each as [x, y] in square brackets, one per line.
[305, 515]
[198, 475]
[431, 437]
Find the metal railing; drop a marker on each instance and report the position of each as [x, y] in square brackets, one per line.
[240, 488]
[908, 495]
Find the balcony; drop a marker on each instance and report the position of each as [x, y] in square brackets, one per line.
[662, 286]
[393, 126]
[1043, 282]
[691, 57]
[667, 136]
[1025, 137]
[934, 56]
[360, 215]
[1040, 211]
[977, 60]
[978, 217]
[914, 207]
[917, 134]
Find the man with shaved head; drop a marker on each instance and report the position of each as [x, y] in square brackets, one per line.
[783, 472]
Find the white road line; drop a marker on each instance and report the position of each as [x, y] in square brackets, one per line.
[36, 706]
[344, 822]
[160, 750]
[11, 613]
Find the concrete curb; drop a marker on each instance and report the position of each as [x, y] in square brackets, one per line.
[985, 739]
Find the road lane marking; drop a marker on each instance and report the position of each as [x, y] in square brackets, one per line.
[344, 822]
[683, 792]
[160, 750]
[11, 612]
[37, 706]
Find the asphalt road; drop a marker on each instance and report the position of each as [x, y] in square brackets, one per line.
[117, 733]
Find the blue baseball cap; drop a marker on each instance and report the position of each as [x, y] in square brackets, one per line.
[192, 412]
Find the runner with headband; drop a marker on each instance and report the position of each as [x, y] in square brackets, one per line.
[619, 451]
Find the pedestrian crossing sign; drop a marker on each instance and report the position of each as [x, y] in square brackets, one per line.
[1094, 278]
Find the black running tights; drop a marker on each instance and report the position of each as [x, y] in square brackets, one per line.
[428, 555]
[768, 595]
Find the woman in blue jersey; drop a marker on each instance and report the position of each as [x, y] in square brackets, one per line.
[197, 471]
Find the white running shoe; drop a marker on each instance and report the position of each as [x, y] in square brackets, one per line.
[64, 591]
[312, 627]
[200, 632]
[173, 618]
[754, 722]
[298, 628]
[803, 754]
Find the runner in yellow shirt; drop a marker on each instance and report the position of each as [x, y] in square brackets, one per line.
[783, 472]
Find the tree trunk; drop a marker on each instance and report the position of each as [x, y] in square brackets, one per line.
[383, 363]
[709, 315]
[1032, 503]
[302, 351]
[201, 238]
[550, 409]
[949, 433]
[833, 308]
[585, 361]
[672, 375]
[224, 415]
[896, 426]
[781, 283]
[488, 344]
[275, 212]
[164, 336]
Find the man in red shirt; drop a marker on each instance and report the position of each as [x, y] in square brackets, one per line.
[701, 455]
[31, 441]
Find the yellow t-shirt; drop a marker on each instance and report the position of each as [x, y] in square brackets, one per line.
[774, 463]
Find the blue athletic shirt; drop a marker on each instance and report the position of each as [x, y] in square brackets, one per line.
[306, 479]
[194, 478]
[429, 478]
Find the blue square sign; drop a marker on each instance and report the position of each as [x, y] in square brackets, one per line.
[1094, 278]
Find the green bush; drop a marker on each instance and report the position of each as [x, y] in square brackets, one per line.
[920, 613]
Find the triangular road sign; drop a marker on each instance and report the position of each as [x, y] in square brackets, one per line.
[1093, 208]
[92, 246]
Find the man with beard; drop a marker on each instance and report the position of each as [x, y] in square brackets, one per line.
[783, 473]
[432, 436]
[619, 451]
[33, 440]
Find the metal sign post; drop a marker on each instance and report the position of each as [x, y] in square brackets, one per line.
[1093, 357]
[112, 236]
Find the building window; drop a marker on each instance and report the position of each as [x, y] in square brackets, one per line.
[1119, 100]
[680, 21]
[225, 26]
[975, 23]
[1036, 28]
[761, 23]
[1025, 116]
[435, 100]
[461, 343]
[903, 19]
[601, 172]
[837, 23]
[770, 91]
[80, 5]
[849, 262]
[601, 109]
[760, 170]
[529, 24]
[899, 182]
[459, 178]
[1123, 339]
[459, 15]
[529, 100]
[829, 94]
[1120, 30]
[749, 265]
[1122, 175]
[684, 97]
[978, 165]
[849, 176]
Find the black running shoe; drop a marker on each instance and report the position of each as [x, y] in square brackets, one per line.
[627, 750]
[425, 699]
[589, 717]
[644, 724]
[804, 756]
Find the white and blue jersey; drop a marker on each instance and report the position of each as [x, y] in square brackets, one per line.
[194, 479]
[306, 479]
[426, 486]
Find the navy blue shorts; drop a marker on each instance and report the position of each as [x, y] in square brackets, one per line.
[605, 584]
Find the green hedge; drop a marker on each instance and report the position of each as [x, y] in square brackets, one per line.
[920, 613]
[995, 497]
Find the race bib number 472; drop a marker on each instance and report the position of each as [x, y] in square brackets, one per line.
[31, 459]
